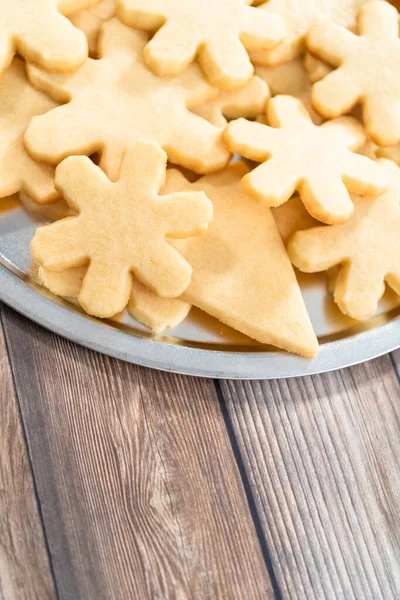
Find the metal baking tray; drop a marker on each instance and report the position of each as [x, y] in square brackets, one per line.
[200, 345]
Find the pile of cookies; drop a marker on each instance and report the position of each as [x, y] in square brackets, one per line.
[98, 98]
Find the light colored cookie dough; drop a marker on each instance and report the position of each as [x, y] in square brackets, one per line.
[90, 21]
[121, 229]
[218, 32]
[116, 101]
[367, 248]
[241, 272]
[314, 160]
[38, 31]
[19, 102]
[368, 70]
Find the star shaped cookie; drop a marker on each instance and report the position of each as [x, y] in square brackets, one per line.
[368, 70]
[19, 102]
[298, 16]
[121, 229]
[296, 154]
[367, 249]
[39, 32]
[116, 101]
[217, 31]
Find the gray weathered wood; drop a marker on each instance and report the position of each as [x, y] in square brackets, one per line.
[24, 567]
[140, 493]
[322, 455]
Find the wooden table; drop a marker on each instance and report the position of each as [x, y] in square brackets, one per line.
[119, 482]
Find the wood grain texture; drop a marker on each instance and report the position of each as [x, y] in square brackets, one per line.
[24, 568]
[322, 455]
[140, 493]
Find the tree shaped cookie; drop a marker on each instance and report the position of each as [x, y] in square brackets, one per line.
[298, 16]
[91, 19]
[116, 101]
[241, 272]
[121, 229]
[248, 102]
[298, 155]
[368, 70]
[367, 248]
[40, 33]
[145, 306]
[217, 31]
[19, 102]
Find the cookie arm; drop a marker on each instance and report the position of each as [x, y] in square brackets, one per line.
[316, 249]
[58, 246]
[379, 20]
[269, 184]
[226, 62]
[336, 94]
[165, 272]
[196, 144]
[57, 134]
[53, 44]
[252, 140]
[261, 30]
[331, 42]
[171, 50]
[105, 289]
[357, 292]
[364, 176]
[326, 198]
[7, 51]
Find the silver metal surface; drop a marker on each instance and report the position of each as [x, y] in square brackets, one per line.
[200, 345]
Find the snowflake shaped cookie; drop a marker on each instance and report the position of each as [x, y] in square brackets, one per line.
[298, 16]
[368, 70]
[39, 32]
[121, 229]
[367, 248]
[19, 102]
[116, 101]
[314, 160]
[217, 31]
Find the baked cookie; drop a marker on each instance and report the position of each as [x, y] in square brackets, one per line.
[121, 229]
[241, 272]
[298, 16]
[314, 160]
[146, 307]
[19, 102]
[368, 70]
[367, 248]
[39, 32]
[116, 101]
[217, 31]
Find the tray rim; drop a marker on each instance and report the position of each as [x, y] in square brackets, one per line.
[184, 360]
[163, 356]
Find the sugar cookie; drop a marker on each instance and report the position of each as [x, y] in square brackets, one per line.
[90, 21]
[298, 16]
[116, 101]
[247, 102]
[298, 155]
[121, 229]
[367, 248]
[40, 33]
[218, 31]
[241, 272]
[146, 307]
[368, 70]
[315, 68]
[19, 102]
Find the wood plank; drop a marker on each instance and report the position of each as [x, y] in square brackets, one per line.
[24, 568]
[322, 456]
[140, 493]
